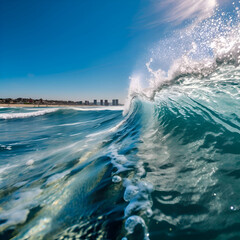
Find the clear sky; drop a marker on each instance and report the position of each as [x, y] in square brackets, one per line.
[80, 49]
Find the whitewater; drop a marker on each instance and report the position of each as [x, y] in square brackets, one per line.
[166, 166]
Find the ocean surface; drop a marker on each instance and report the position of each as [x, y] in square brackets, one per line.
[168, 169]
[164, 166]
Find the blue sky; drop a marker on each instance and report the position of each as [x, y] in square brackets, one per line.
[78, 49]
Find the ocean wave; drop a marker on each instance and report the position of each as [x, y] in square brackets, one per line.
[26, 115]
[162, 171]
[199, 51]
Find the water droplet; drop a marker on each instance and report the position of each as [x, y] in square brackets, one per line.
[232, 208]
[131, 223]
[116, 179]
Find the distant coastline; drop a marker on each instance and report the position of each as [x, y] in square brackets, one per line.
[29, 102]
[48, 105]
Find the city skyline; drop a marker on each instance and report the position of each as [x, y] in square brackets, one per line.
[99, 102]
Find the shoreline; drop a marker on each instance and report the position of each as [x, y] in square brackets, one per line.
[48, 105]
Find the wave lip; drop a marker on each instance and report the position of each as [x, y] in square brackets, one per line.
[26, 115]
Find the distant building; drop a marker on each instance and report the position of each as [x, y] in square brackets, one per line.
[80, 102]
[115, 102]
[86, 102]
[94, 102]
[106, 102]
[101, 102]
[8, 100]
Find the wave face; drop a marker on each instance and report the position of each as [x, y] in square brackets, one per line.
[166, 168]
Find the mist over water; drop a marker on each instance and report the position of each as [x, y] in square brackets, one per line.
[167, 166]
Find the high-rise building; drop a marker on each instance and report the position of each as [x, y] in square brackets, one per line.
[95, 102]
[106, 102]
[101, 102]
[115, 102]
[86, 102]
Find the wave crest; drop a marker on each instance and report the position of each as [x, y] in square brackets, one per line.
[197, 51]
[26, 115]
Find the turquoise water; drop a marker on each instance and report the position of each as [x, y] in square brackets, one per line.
[166, 166]
[168, 169]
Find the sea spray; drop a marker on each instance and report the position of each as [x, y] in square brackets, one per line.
[199, 49]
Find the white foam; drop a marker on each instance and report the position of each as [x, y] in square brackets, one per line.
[71, 124]
[80, 123]
[118, 161]
[137, 193]
[110, 108]
[130, 192]
[26, 115]
[17, 209]
[136, 206]
[117, 126]
[30, 162]
[96, 134]
[6, 147]
[6, 167]
[138, 196]
[132, 222]
[113, 129]
[76, 134]
[13, 217]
